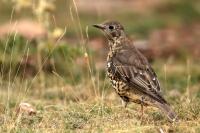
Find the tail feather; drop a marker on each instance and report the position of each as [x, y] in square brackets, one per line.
[172, 116]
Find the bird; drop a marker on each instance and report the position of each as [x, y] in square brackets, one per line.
[130, 73]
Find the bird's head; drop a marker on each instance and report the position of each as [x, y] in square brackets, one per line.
[112, 29]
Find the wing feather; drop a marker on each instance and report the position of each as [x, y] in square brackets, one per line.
[136, 71]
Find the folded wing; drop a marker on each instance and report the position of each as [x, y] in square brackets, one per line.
[135, 70]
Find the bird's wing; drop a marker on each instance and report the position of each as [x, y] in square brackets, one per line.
[134, 69]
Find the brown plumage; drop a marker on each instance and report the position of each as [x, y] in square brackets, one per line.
[130, 73]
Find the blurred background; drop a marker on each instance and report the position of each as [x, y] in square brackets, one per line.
[60, 30]
[50, 51]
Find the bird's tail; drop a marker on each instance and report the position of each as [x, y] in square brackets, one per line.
[172, 116]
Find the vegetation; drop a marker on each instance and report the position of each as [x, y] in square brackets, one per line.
[68, 91]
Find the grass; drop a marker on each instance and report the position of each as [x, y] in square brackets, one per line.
[64, 107]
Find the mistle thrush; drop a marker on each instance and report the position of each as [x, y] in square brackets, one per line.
[131, 75]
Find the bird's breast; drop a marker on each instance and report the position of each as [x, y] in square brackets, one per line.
[119, 86]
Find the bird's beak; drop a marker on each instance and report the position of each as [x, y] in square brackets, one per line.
[99, 26]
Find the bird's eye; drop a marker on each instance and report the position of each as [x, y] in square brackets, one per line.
[111, 27]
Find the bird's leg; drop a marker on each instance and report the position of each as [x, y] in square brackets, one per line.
[124, 103]
[142, 110]
[142, 107]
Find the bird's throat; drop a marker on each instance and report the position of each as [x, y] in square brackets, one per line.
[115, 45]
